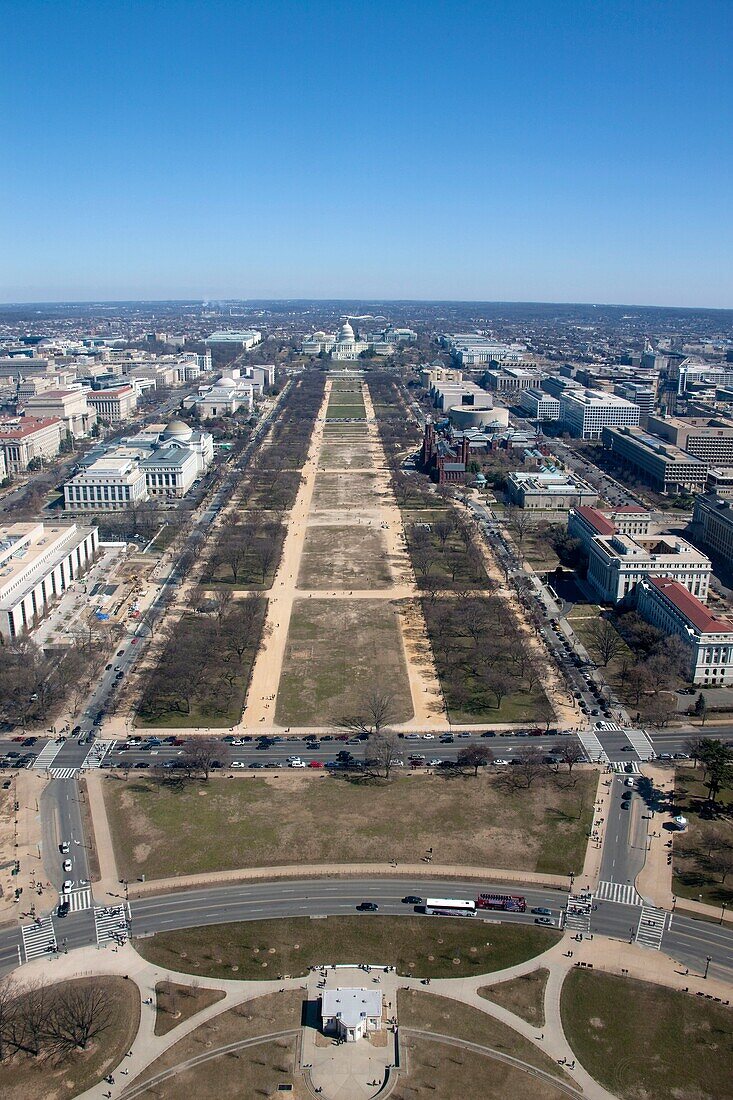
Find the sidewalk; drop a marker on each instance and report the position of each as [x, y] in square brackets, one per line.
[109, 878]
[654, 881]
[350, 870]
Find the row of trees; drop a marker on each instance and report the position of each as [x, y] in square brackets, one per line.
[206, 659]
[246, 553]
[445, 553]
[51, 1022]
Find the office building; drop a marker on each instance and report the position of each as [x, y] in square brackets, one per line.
[69, 406]
[719, 482]
[665, 467]
[37, 564]
[641, 395]
[585, 523]
[539, 405]
[508, 380]
[585, 413]
[345, 345]
[667, 605]
[110, 484]
[27, 438]
[707, 438]
[227, 396]
[247, 339]
[471, 349]
[550, 490]
[616, 561]
[712, 523]
[113, 405]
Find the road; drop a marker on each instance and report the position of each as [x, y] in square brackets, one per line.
[690, 941]
[625, 843]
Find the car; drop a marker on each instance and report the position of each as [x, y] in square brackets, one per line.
[293, 759]
[630, 782]
[30, 741]
[76, 729]
[429, 736]
[257, 764]
[367, 907]
[120, 652]
[7, 784]
[66, 865]
[315, 764]
[488, 733]
[107, 668]
[133, 641]
[353, 741]
[67, 886]
[447, 739]
[412, 899]
[542, 911]
[665, 756]
[119, 675]
[542, 920]
[435, 763]
[63, 909]
[143, 764]
[297, 764]
[237, 764]
[64, 847]
[627, 748]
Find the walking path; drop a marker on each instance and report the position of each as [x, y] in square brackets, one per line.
[260, 702]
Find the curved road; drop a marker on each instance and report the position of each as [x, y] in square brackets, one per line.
[687, 940]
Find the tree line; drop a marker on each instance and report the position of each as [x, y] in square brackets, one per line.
[52, 1022]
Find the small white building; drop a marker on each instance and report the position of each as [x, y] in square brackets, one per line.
[351, 1012]
[37, 564]
[667, 605]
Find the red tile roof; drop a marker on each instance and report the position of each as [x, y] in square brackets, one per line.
[689, 606]
[27, 426]
[596, 519]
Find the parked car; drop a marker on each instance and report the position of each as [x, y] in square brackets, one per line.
[237, 764]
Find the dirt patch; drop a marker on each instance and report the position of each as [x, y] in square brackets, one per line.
[355, 644]
[344, 558]
[174, 1003]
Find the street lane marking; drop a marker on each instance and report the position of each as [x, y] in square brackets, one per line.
[641, 744]
[64, 773]
[618, 892]
[38, 939]
[651, 927]
[593, 748]
[47, 755]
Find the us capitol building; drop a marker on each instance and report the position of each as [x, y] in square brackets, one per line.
[345, 345]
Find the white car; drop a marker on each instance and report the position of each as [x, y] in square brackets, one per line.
[434, 763]
[428, 737]
[297, 764]
[65, 846]
[66, 886]
[237, 764]
[66, 865]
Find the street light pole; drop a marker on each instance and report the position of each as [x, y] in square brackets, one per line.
[722, 914]
[708, 960]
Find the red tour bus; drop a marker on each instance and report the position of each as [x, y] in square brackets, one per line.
[513, 903]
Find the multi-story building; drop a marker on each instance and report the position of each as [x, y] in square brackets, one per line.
[69, 406]
[3, 467]
[706, 438]
[665, 467]
[616, 564]
[503, 379]
[719, 481]
[539, 405]
[27, 438]
[110, 484]
[712, 521]
[667, 605]
[247, 339]
[585, 413]
[431, 376]
[550, 490]
[641, 395]
[37, 564]
[585, 523]
[470, 349]
[114, 405]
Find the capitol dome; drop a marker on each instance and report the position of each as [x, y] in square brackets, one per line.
[347, 332]
[177, 429]
[227, 382]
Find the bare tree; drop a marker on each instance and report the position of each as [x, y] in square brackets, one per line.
[520, 522]
[531, 765]
[376, 711]
[474, 756]
[384, 748]
[605, 642]
[199, 755]
[570, 752]
[80, 1012]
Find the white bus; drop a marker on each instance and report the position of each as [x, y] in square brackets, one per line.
[450, 907]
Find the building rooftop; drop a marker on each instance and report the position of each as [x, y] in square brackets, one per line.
[352, 1005]
[596, 519]
[27, 426]
[697, 614]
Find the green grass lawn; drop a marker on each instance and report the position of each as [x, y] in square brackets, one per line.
[641, 1040]
[420, 946]
[174, 828]
[694, 876]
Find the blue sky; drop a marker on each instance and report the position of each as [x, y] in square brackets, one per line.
[557, 150]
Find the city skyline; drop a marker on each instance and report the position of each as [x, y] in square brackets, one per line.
[540, 152]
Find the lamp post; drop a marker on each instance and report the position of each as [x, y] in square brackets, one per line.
[722, 913]
[708, 960]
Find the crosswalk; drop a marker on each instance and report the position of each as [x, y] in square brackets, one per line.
[64, 773]
[609, 727]
[593, 748]
[578, 913]
[97, 753]
[47, 755]
[652, 924]
[38, 939]
[641, 744]
[620, 892]
[78, 900]
[111, 924]
[630, 767]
